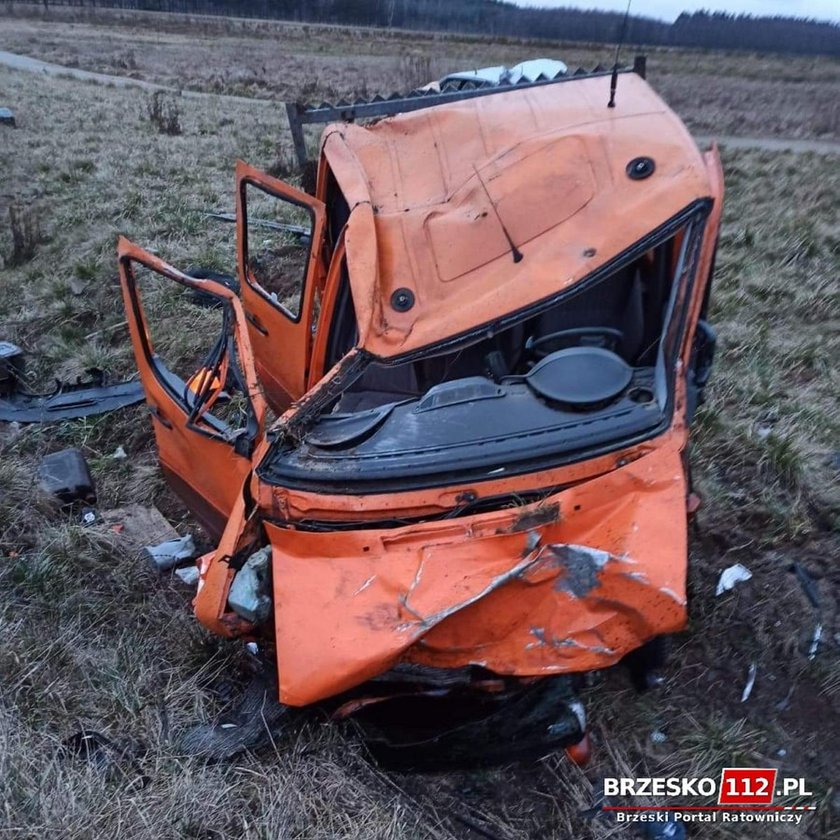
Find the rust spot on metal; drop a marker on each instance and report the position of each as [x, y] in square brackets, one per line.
[534, 518]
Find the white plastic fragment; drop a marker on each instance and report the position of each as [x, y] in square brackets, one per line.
[745, 694]
[815, 642]
[188, 574]
[119, 454]
[729, 577]
[250, 592]
[658, 737]
[168, 554]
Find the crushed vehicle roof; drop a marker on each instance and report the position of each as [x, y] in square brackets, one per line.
[515, 196]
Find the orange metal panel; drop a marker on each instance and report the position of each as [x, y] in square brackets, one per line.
[570, 584]
[433, 178]
[207, 472]
[281, 344]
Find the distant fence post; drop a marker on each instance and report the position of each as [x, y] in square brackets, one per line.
[294, 111]
[640, 66]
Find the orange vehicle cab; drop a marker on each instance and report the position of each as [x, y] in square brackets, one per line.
[484, 340]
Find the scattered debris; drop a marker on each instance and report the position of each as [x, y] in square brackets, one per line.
[658, 737]
[815, 641]
[729, 577]
[89, 517]
[115, 761]
[745, 694]
[66, 401]
[808, 584]
[250, 591]
[664, 828]
[167, 555]
[66, 475]
[119, 454]
[188, 575]
[809, 587]
[7, 117]
[763, 432]
[250, 726]
[11, 367]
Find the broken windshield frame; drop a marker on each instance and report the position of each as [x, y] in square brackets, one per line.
[685, 230]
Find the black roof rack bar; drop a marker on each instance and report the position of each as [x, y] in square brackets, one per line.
[300, 114]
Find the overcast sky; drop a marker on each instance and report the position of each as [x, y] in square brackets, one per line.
[669, 9]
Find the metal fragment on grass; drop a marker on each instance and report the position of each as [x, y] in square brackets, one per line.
[815, 642]
[745, 694]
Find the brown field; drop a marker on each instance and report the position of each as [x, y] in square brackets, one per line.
[92, 638]
[715, 93]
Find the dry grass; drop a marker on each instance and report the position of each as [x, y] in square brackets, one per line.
[164, 114]
[92, 638]
[25, 233]
[748, 94]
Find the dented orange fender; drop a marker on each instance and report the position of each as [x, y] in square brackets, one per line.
[570, 584]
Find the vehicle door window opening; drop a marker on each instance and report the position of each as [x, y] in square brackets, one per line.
[269, 260]
[218, 378]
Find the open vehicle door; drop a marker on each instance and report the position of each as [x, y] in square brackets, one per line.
[198, 375]
[279, 240]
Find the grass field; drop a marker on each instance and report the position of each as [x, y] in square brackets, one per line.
[92, 638]
[749, 94]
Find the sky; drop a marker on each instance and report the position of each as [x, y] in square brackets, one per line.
[669, 9]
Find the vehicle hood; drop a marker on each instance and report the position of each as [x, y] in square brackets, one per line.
[482, 207]
[570, 584]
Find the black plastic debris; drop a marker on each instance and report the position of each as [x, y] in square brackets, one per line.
[115, 761]
[251, 725]
[66, 475]
[809, 588]
[11, 367]
[7, 117]
[81, 398]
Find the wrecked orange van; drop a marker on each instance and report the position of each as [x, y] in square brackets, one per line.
[483, 340]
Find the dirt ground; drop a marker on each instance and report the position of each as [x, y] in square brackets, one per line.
[92, 638]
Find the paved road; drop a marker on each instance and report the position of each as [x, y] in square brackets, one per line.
[34, 65]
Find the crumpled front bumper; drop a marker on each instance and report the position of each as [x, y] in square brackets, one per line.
[569, 584]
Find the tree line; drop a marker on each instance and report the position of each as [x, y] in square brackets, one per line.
[712, 30]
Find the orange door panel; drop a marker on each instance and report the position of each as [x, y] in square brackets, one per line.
[203, 454]
[279, 236]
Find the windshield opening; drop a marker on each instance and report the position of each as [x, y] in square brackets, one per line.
[586, 374]
[626, 314]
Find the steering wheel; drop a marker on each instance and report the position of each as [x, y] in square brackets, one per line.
[612, 337]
